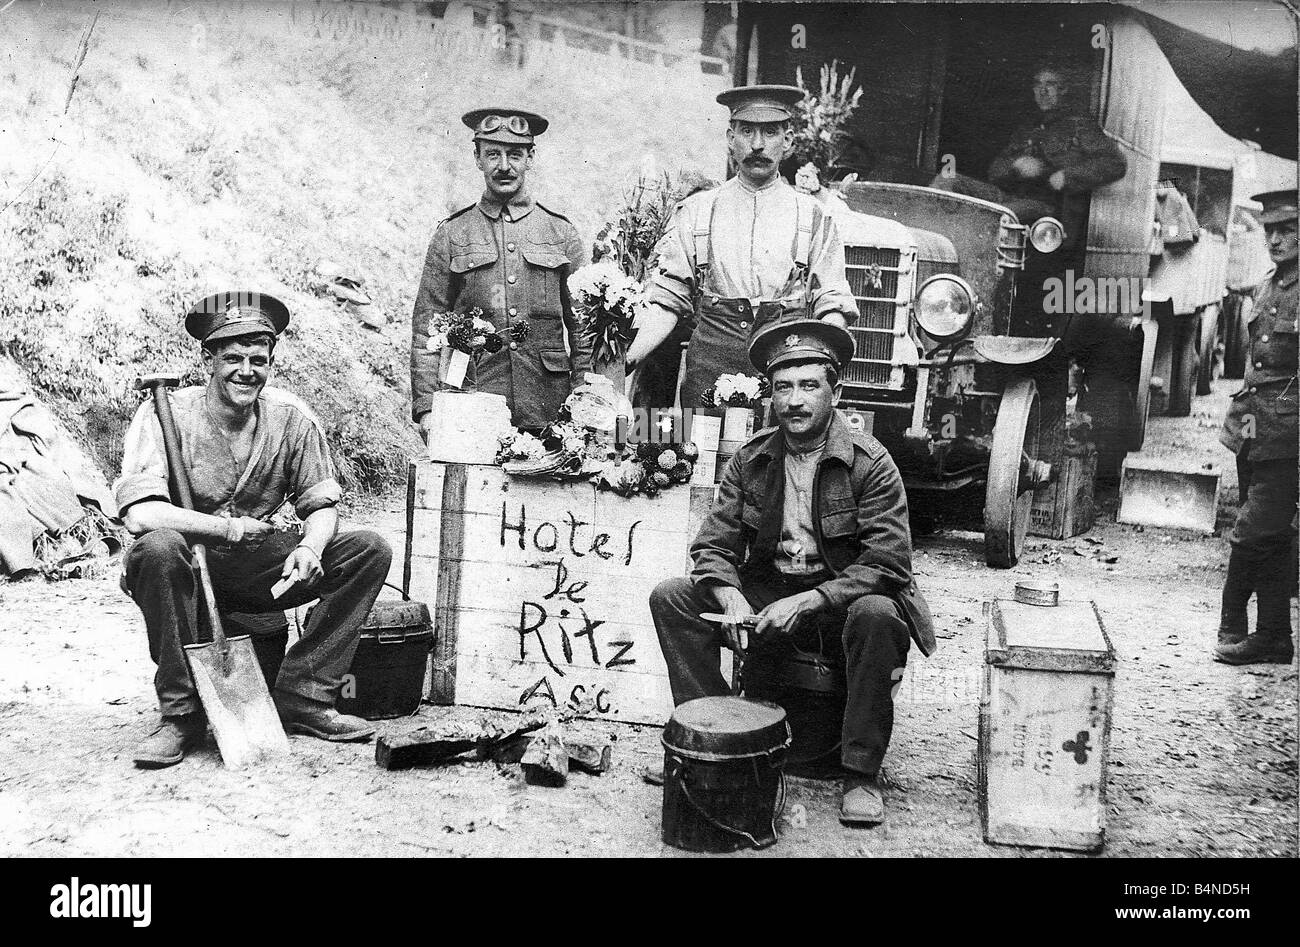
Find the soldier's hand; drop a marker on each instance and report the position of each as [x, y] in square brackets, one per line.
[245, 532]
[426, 425]
[786, 614]
[1027, 166]
[836, 319]
[306, 563]
[1057, 181]
[734, 605]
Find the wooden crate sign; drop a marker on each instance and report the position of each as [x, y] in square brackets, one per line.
[1045, 725]
[540, 589]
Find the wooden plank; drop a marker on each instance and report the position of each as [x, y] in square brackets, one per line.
[426, 485]
[492, 681]
[554, 587]
[446, 616]
[569, 645]
[410, 527]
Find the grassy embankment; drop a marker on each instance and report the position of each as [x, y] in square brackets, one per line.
[232, 152]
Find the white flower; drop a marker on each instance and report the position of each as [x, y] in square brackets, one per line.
[747, 386]
[483, 326]
[526, 446]
[590, 285]
[806, 179]
[437, 340]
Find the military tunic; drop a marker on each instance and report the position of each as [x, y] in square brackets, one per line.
[1066, 141]
[1261, 424]
[857, 510]
[510, 262]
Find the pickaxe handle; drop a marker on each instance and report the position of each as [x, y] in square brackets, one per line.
[180, 482]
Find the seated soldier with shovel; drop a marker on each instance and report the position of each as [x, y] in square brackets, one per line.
[247, 448]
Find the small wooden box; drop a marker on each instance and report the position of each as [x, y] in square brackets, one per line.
[1065, 507]
[1045, 725]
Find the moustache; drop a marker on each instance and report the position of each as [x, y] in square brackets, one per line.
[758, 159]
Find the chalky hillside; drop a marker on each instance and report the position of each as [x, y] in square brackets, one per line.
[181, 151]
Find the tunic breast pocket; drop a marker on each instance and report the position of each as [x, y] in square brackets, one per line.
[545, 265]
[751, 517]
[471, 256]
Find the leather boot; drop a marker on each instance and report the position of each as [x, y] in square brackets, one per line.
[167, 744]
[1271, 642]
[1237, 588]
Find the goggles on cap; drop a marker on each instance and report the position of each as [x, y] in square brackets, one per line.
[515, 123]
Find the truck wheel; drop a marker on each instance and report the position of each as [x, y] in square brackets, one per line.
[1209, 339]
[1014, 472]
[1182, 381]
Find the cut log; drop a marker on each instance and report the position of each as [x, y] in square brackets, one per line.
[588, 758]
[546, 762]
[442, 743]
[583, 757]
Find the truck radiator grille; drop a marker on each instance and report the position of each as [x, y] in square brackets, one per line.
[882, 280]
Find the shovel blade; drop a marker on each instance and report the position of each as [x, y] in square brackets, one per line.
[238, 705]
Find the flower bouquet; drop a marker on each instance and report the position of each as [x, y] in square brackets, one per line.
[579, 444]
[465, 336]
[649, 468]
[605, 300]
[819, 124]
[738, 396]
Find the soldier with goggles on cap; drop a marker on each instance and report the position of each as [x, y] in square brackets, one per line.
[741, 256]
[249, 448]
[809, 532]
[1261, 429]
[508, 255]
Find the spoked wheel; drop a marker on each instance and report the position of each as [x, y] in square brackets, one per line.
[1015, 471]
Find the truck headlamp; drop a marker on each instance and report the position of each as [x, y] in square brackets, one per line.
[945, 306]
[1047, 234]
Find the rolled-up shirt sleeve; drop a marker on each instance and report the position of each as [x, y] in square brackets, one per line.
[828, 285]
[670, 288]
[144, 463]
[315, 480]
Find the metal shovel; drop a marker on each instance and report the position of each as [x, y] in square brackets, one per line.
[225, 670]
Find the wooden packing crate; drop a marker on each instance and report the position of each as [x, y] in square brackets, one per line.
[540, 588]
[1044, 733]
[1065, 507]
[1168, 493]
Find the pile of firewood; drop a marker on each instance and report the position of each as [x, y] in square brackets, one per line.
[536, 740]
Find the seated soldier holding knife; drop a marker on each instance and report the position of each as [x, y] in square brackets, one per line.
[809, 526]
[248, 447]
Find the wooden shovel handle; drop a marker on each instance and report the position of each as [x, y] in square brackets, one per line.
[184, 491]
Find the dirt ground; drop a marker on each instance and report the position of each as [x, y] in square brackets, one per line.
[1203, 756]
